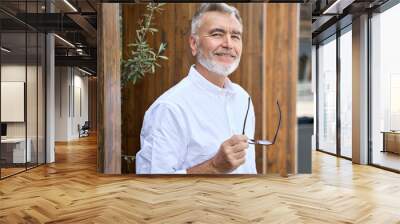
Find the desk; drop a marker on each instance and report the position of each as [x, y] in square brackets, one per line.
[15, 148]
[391, 141]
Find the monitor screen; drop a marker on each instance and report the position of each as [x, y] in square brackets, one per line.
[3, 129]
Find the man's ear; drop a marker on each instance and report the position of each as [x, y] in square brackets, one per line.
[193, 46]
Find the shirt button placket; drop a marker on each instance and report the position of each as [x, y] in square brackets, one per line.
[227, 111]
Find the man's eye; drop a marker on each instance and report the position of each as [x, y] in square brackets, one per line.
[236, 37]
[216, 34]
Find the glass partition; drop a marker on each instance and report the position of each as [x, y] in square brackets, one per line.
[327, 96]
[14, 152]
[22, 77]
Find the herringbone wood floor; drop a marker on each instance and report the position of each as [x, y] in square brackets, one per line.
[70, 191]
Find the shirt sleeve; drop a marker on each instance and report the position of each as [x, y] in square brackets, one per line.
[163, 141]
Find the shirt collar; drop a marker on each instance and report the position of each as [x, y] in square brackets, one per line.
[203, 83]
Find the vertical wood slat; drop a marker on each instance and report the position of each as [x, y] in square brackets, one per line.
[263, 95]
[92, 95]
[109, 90]
[280, 84]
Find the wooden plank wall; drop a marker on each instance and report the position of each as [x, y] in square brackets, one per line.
[108, 89]
[174, 28]
[281, 61]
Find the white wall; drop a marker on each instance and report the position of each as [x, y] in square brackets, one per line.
[71, 93]
[12, 73]
[62, 80]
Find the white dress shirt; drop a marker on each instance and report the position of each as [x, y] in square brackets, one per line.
[188, 123]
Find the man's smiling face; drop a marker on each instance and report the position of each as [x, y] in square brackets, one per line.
[219, 42]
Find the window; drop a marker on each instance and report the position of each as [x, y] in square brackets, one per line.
[327, 96]
[346, 93]
[385, 88]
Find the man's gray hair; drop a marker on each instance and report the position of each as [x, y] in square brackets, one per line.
[212, 7]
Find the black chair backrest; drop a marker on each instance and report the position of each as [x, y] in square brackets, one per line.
[86, 125]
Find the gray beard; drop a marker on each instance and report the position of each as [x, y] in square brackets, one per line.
[215, 67]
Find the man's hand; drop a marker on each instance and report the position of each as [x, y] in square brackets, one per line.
[231, 154]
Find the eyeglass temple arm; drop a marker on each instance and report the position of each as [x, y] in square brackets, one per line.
[279, 122]
[245, 118]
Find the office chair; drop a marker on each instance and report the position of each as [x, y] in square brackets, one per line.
[84, 130]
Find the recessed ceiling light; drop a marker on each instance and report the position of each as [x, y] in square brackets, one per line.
[65, 41]
[337, 7]
[70, 5]
[84, 71]
[5, 50]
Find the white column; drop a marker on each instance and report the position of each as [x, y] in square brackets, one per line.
[360, 90]
[50, 99]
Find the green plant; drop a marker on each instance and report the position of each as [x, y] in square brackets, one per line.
[142, 58]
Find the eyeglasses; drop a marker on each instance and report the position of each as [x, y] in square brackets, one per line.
[262, 142]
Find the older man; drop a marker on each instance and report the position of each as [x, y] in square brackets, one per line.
[196, 126]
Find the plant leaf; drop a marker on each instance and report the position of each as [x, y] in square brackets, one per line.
[142, 58]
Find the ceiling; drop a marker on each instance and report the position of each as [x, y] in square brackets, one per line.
[330, 15]
[74, 22]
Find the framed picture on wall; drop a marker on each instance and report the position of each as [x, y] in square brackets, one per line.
[12, 101]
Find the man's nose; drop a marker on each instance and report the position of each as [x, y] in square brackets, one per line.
[227, 42]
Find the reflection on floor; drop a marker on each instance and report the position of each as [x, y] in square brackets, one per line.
[10, 169]
[386, 159]
[71, 191]
[346, 152]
